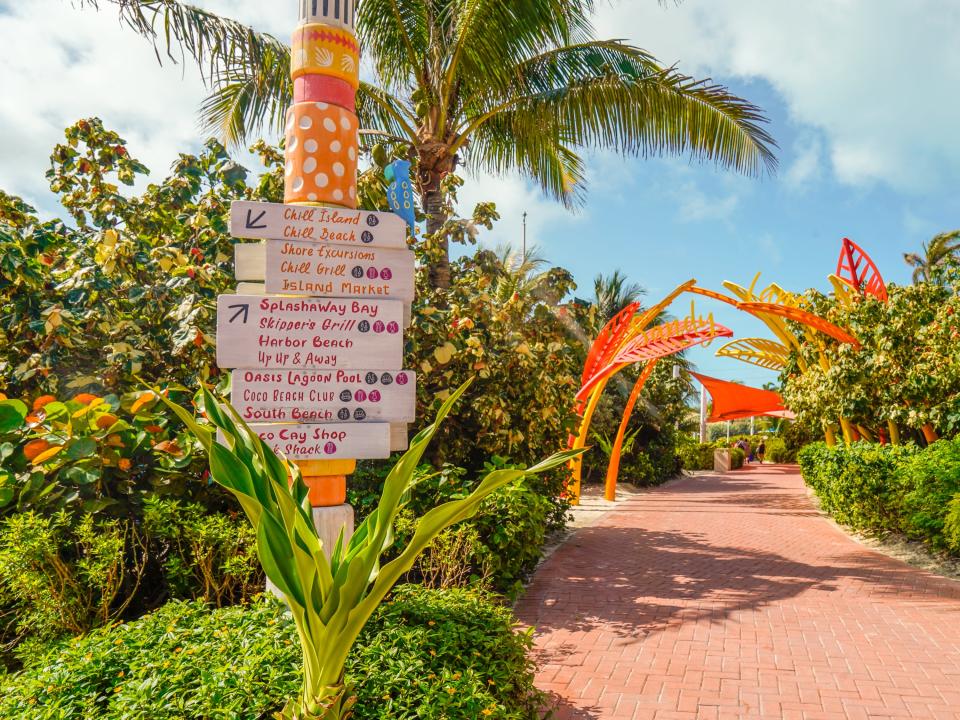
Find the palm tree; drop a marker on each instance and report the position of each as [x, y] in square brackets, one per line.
[937, 252]
[492, 85]
[612, 293]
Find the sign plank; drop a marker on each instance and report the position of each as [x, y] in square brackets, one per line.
[334, 441]
[268, 331]
[296, 267]
[314, 396]
[275, 221]
[252, 288]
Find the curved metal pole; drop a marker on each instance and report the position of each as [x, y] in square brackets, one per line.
[613, 469]
[576, 465]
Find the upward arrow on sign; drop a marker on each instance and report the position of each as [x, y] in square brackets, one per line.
[242, 309]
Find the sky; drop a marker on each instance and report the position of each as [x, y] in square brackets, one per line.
[861, 95]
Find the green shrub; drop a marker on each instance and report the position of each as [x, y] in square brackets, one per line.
[182, 661]
[98, 455]
[951, 525]
[511, 525]
[696, 456]
[858, 484]
[62, 576]
[443, 654]
[930, 480]
[209, 557]
[638, 468]
[737, 457]
[425, 654]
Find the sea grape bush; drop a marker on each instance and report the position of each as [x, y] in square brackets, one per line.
[890, 488]
[99, 455]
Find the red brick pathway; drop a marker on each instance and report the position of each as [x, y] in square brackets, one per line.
[731, 597]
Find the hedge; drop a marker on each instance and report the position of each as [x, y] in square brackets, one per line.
[426, 654]
[890, 488]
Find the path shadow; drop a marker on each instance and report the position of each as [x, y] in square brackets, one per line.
[634, 581]
[558, 707]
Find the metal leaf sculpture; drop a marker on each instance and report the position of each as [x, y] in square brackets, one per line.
[857, 269]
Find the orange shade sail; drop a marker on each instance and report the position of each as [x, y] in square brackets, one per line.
[732, 401]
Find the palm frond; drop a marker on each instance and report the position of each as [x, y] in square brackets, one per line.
[531, 145]
[397, 35]
[611, 95]
[612, 293]
[384, 112]
[211, 40]
[248, 98]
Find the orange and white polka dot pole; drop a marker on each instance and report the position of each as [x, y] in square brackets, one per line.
[321, 154]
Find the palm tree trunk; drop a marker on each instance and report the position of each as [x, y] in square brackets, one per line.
[433, 207]
[434, 162]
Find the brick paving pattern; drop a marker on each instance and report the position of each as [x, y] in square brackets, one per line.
[730, 596]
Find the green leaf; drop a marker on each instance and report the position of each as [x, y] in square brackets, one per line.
[81, 448]
[12, 415]
[273, 548]
[80, 475]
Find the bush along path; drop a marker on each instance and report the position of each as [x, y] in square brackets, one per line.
[732, 596]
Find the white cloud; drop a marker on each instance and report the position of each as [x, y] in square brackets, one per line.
[513, 196]
[876, 77]
[60, 64]
[694, 204]
[805, 166]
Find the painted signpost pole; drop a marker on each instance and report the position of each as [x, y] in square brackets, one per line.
[314, 335]
[321, 163]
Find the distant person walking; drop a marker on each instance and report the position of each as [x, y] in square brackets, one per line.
[761, 450]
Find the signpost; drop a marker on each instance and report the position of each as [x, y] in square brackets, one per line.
[323, 395]
[268, 331]
[317, 349]
[333, 441]
[296, 267]
[273, 221]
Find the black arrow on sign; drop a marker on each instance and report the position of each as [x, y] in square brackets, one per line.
[244, 310]
[252, 222]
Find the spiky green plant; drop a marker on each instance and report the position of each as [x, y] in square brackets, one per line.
[330, 598]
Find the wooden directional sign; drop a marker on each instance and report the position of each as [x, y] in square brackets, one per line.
[296, 267]
[333, 441]
[324, 395]
[252, 288]
[268, 331]
[317, 224]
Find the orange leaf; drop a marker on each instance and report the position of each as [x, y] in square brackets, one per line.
[115, 441]
[42, 400]
[153, 428]
[86, 398]
[35, 419]
[106, 420]
[144, 398]
[47, 454]
[169, 446]
[33, 448]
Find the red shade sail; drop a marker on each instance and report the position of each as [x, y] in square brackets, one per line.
[732, 401]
